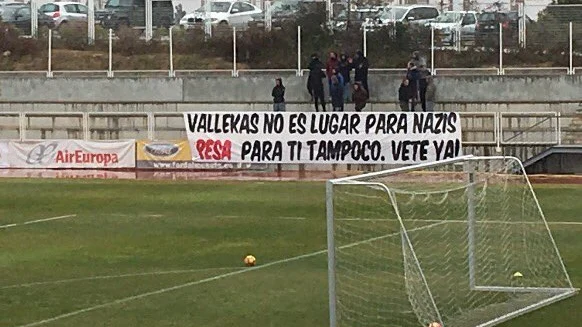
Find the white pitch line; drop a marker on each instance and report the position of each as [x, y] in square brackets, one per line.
[210, 279]
[38, 221]
[241, 217]
[464, 221]
[151, 273]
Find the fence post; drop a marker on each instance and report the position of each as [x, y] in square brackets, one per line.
[432, 71]
[365, 47]
[22, 126]
[49, 72]
[172, 73]
[90, 22]
[558, 128]
[234, 70]
[522, 23]
[207, 20]
[34, 18]
[268, 16]
[110, 67]
[500, 71]
[571, 66]
[148, 20]
[299, 71]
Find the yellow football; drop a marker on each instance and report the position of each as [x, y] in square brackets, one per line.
[250, 260]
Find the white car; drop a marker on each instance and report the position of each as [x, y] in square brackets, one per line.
[65, 12]
[233, 13]
[451, 23]
[415, 14]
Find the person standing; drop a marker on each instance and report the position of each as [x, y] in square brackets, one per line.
[315, 82]
[430, 94]
[405, 96]
[278, 94]
[337, 94]
[360, 96]
[331, 67]
[344, 69]
[361, 66]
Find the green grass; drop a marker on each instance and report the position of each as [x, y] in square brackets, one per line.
[186, 229]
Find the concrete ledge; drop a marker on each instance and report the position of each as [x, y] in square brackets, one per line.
[256, 88]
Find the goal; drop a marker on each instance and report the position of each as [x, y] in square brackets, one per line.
[461, 242]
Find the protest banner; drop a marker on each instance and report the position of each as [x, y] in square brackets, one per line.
[339, 137]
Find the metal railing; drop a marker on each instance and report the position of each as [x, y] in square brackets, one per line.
[498, 69]
[488, 129]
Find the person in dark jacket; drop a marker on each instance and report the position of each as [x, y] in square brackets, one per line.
[344, 69]
[278, 94]
[331, 66]
[337, 94]
[413, 76]
[422, 84]
[405, 96]
[315, 82]
[360, 96]
[361, 65]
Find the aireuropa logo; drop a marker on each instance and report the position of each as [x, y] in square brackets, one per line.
[42, 153]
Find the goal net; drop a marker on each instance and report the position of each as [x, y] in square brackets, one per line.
[461, 242]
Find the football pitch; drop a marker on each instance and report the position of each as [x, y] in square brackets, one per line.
[167, 253]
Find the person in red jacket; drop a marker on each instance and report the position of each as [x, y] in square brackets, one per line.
[331, 66]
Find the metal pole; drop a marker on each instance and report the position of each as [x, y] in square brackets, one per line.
[471, 225]
[234, 70]
[110, 67]
[365, 47]
[571, 67]
[268, 16]
[207, 20]
[49, 72]
[148, 21]
[172, 74]
[329, 11]
[521, 24]
[90, 21]
[432, 50]
[34, 18]
[331, 255]
[501, 72]
[299, 72]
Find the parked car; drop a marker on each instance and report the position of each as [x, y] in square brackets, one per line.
[64, 12]
[357, 17]
[449, 23]
[415, 14]
[130, 13]
[233, 13]
[487, 28]
[19, 15]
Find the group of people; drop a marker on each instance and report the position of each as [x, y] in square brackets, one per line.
[337, 73]
[417, 87]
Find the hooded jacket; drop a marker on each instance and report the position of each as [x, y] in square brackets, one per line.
[360, 67]
[344, 68]
[314, 81]
[278, 92]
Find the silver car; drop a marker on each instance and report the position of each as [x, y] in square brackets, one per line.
[65, 12]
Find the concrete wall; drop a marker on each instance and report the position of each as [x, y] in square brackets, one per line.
[256, 89]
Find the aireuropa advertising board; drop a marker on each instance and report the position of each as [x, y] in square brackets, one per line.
[71, 154]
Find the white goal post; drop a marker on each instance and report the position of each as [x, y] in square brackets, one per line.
[461, 242]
